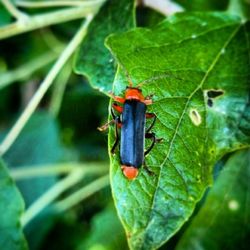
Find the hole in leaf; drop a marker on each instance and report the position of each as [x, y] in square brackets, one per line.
[213, 93]
[195, 117]
[210, 102]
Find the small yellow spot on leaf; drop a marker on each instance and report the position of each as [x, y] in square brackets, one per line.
[195, 117]
[233, 205]
[191, 198]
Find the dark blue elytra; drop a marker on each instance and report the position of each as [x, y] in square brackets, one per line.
[133, 133]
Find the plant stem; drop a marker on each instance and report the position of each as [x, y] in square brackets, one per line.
[50, 39]
[165, 7]
[58, 90]
[26, 114]
[51, 195]
[43, 20]
[21, 173]
[46, 4]
[14, 11]
[236, 7]
[27, 69]
[82, 194]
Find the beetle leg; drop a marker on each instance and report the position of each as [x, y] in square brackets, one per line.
[106, 125]
[118, 123]
[150, 115]
[117, 107]
[117, 98]
[147, 169]
[117, 138]
[154, 140]
[113, 114]
[148, 99]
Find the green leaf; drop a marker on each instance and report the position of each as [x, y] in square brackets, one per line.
[197, 67]
[37, 145]
[11, 208]
[147, 17]
[201, 5]
[224, 220]
[240, 8]
[93, 59]
[5, 17]
[106, 232]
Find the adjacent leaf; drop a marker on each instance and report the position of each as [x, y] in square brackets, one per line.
[201, 5]
[5, 17]
[38, 145]
[147, 17]
[93, 59]
[106, 232]
[240, 8]
[11, 208]
[197, 67]
[224, 220]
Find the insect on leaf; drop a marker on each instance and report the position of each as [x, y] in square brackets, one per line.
[197, 68]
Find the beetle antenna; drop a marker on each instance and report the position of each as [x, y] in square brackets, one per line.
[128, 77]
[127, 74]
[153, 78]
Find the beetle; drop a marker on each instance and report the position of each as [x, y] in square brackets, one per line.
[133, 132]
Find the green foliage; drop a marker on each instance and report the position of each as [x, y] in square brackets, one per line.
[38, 145]
[106, 232]
[11, 207]
[225, 211]
[196, 65]
[5, 17]
[93, 59]
[199, 96]
[33, 148]
[201, 5]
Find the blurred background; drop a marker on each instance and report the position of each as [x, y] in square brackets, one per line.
[62, 130]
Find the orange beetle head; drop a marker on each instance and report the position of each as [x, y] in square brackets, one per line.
[130, 172]
[134, 94]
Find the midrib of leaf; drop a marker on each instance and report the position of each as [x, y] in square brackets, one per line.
[182, 115]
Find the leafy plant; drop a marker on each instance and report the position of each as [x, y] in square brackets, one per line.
[196, 66]
[198, 111]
